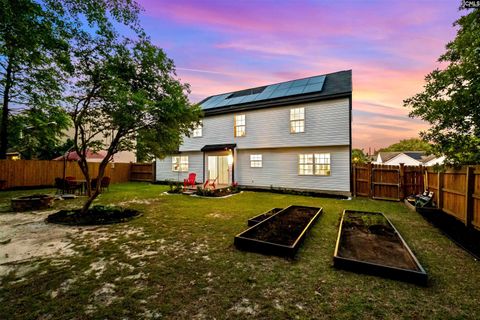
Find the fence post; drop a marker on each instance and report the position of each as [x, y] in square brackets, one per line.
[154, 169]
[354, 180]
[469, 188]
[440, 191]
[419, 181]
[401, 183]
[370, 172]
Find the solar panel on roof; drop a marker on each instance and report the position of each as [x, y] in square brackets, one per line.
[278, 90]
[279, 93]
[294, 90]
[316, 79]
[250, 98]
[300, 82]
[313, 87]
[285, 85]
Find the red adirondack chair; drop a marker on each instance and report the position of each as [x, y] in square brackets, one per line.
[190, 181]
[210, 183]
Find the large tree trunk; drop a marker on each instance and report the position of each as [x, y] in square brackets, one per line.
[93, 195]
[5, 111]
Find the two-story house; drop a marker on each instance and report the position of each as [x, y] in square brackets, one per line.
[295, 135]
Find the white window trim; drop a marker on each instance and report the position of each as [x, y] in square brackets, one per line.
[198, 131]
[293, 120]
[256, 159]
[178, 162]
[315, 163]
[235, 125]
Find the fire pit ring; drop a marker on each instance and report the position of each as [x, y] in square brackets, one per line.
[32, 202]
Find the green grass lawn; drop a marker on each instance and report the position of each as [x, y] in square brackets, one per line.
[178, 261]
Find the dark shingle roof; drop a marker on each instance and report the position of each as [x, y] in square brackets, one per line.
[417, 155]
[307, 89]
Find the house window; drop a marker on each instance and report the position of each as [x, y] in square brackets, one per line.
[180, 163]
[305, 164]
[322, 164]
[197, 132]
[297, 120]
[239, 128]
[314, 164]
[255, 161]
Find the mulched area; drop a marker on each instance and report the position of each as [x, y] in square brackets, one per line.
[97, 215]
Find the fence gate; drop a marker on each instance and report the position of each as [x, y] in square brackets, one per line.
[386, 183]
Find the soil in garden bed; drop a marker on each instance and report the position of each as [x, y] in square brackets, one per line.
[96, 215]
[263, 216]
[285, 227]
[369, 237]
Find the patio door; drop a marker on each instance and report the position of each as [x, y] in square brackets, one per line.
[218, 168]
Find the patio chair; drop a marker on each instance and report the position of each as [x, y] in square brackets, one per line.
[66, 186]
[190, 181]
[105, 183]
[210, 183]
[60, 185]
[72, 187]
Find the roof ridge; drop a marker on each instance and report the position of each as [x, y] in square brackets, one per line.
[271, 84]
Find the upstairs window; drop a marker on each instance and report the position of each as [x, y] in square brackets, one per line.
[314, 164]
[197, 132]
[180, 163]
[255, 161]
[297, 120]
[239, 127]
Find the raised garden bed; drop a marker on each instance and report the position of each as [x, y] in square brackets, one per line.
[369, 243]
[280, 234]
[262, 216]
[97, 215]
[33, 202]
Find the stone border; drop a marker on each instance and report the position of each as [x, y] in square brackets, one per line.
[172, 194]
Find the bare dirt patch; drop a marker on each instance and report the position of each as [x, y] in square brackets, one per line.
[28, 237]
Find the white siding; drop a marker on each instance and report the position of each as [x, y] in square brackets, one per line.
[402, 158]
[280, 169]
[164, 168]
[435, 161]
[326, 124]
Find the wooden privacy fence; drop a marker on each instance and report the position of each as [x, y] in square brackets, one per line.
[387, 182]
[142, 172]
[457, 192]
[33, 173]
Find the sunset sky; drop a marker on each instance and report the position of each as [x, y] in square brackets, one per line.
[222, 46]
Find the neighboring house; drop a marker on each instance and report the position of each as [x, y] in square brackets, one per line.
[294, 135]
[408, 158]
[91, 156]
[119, 157]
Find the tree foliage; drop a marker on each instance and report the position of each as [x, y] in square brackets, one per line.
[450, 101]
[359, 157]
[412, 144]
[38, 133]
[124, 89]
[36, 40]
